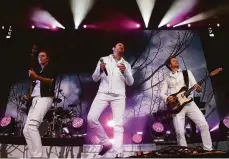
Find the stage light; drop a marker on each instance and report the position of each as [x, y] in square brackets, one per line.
[7, 125]
[211, 33]
[146, 8]
[95, 140]
[137, 138]
[158, 129]
[84, 26]
[140, 133]
[189, 25]
[218, 25]
[112, 141]
[224, 126]
[222, 9]
[168, 25]
[138, 25]
[77, 123]
[54, 27]
[2, 27]
[80, 9]
[111, 123]
[178, 10]
[32, 26]
[168, 132]
[41, 19]
[8, 36]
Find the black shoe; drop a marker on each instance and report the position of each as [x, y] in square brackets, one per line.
[105, 149]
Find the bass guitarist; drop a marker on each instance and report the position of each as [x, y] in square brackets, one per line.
[173, 83]
[42, 95]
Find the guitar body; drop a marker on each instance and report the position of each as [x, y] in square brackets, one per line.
[180, 101]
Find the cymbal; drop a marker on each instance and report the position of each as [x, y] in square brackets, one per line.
[57, 100]
[72, 105]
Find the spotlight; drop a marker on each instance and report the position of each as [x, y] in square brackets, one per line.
[2, 27]
[110, 123]
[7, 125]
[138, 25]
[189, 25]
[211, 33]
[137, 138]
[32, 26]
[54, 27]
[112, 141]
[168, 25]
[158, 128]
[218, 25]
[158, 132]
[77, 122]
[84, 26]
[224, 126]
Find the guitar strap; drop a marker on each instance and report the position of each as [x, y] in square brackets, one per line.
[186, 80]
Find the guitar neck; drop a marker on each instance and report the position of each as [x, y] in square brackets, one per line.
[188, 92]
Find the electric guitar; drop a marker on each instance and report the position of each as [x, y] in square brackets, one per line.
[181, 98]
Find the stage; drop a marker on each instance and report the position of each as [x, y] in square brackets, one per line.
[74, 147]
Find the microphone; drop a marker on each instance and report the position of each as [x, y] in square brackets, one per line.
[105, 70]
[122, 63]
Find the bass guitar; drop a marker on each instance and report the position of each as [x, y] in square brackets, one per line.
[27, 97]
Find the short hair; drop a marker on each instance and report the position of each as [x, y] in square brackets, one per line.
[45, 51]
[168, 61]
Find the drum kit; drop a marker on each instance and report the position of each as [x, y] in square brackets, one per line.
[57, 120]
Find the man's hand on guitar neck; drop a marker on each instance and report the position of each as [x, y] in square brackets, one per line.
[197, 88]
[32, 75]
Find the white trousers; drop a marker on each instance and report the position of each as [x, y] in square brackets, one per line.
[117, 104]
[38, 110]
[194, 113]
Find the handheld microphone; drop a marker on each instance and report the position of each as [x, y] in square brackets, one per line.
[105, 70]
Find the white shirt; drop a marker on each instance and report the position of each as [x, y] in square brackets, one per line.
[115, 81]
[36, 90]
[173, 82]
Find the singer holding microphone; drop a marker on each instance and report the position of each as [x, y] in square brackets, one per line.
[113, 72]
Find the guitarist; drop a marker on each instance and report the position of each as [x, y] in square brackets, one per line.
[173, 83]
[42, 95]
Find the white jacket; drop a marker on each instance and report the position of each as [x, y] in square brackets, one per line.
[115, 81]
[174, 82]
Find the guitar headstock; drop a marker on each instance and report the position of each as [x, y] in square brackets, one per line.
[34, 50]
[216, 71]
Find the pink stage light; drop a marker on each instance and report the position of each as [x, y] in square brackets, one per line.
[84, 26]
[158, 127]
[226, 122]
[6, 121]
[32, 26]
[138, 25]
[77, 122]
[137, 138]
